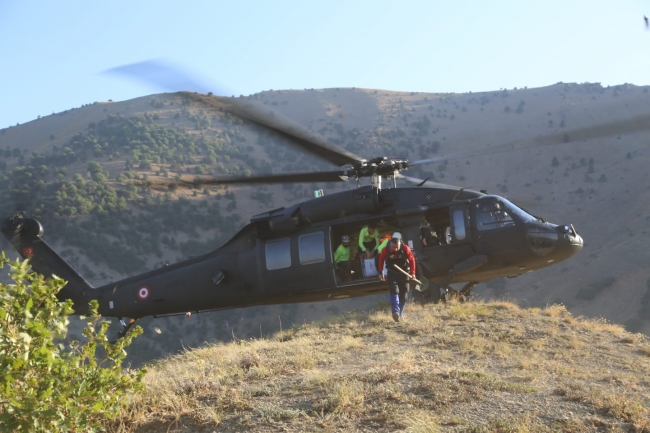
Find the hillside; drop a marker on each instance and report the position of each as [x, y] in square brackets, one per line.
[93, 175]
[477, 367]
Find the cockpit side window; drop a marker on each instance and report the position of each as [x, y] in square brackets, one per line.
[490, 214]
[459, 224]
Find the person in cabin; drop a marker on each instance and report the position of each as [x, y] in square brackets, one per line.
[428, 236]
[342, 260]
[368, 240]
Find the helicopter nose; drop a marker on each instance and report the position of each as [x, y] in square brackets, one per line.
[569, 241]
[555, 242]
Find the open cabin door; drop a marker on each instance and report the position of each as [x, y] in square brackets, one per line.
[354, 273]
[453, 244]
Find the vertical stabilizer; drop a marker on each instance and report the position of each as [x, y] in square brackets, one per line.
[25, 235]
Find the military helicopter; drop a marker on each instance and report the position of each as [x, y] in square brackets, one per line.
[286, 255]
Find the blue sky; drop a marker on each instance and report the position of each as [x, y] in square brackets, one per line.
[54, 53]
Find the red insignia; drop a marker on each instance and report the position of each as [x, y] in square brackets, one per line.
[28, 251]
[143, 293]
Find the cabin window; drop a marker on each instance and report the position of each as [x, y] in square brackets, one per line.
[459, 224]
[492, 215]
[311, 248]
[278, 254]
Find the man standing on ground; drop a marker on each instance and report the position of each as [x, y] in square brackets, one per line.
[397, 254]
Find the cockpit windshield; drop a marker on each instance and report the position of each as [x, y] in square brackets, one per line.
[516, 210]
[494, 212]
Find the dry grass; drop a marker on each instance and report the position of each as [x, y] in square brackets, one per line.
[514, 424]
[601, 325]
[422, 421]
[474, 367]
[610, 402]
[556, 310]
[576, 344]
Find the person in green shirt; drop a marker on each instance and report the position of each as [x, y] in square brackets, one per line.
[369, 240]
[342, 259]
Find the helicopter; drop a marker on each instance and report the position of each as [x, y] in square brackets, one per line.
[285, 255]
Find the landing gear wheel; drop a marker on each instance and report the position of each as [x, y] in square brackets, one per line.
[425, 296]
[466, 292]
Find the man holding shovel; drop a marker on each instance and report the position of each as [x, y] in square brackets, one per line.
[397, 265]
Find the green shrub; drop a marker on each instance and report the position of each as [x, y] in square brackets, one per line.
[47, 386]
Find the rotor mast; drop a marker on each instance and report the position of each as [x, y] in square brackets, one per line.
[376, 180]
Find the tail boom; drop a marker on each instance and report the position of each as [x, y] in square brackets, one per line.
[25, 235]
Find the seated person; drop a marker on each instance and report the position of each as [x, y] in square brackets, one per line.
[428, 236]
[369, 240]
[345, 267]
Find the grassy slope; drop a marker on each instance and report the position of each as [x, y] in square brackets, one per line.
[472, 367]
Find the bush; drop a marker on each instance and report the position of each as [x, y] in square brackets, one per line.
[46, 386]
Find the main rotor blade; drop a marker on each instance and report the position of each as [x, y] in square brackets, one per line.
[161, 73]
[327, 176]
[259, 113]
[620, 127]
[427, 183]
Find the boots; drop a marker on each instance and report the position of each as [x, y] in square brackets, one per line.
[401, 310]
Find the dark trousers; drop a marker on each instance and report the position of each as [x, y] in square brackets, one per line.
[398, 285]
[344, 269]
[369, 246]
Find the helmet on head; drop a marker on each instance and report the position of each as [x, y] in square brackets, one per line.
[345, 238]
[397, 235]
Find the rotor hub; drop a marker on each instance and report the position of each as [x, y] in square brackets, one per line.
[381, 166]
